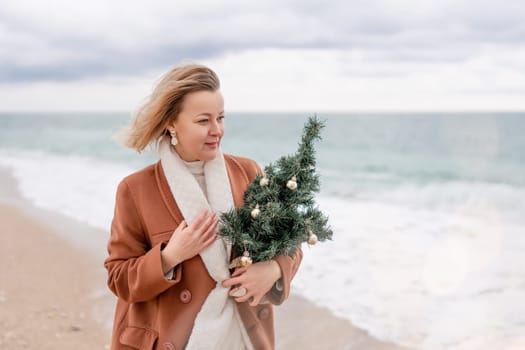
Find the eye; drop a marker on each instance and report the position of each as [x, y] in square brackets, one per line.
[202, 121]
[220, 118]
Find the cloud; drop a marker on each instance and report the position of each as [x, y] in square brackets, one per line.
[302, 55]
[59, 40]
[303, 80]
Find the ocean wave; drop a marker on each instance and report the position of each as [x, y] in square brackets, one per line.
[405, 262]
[80, 187]
[471, 198]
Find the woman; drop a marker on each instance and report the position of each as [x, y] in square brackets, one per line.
[166, 264]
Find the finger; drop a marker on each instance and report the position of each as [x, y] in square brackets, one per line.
[244, 298]
[210, 222]
[211, 230]
[207, 235]
[254, 301]
[213, 224]
[199, 219]
[230, 282]
[233, 291]
[239, 271]
[209, 241]
[204, 224]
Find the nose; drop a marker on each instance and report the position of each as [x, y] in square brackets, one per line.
[215, 129]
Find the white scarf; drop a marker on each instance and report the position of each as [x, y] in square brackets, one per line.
[218, 319]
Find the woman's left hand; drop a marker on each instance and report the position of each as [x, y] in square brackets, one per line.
[256, 279]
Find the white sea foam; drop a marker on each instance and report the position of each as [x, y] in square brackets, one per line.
[79, 187]
[414, 270]
[433, 267]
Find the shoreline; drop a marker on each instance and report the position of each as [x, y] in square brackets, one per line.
[54, 295]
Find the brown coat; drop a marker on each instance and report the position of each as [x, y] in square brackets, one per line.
[153, 312]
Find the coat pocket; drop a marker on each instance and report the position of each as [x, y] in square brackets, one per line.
[138, 338]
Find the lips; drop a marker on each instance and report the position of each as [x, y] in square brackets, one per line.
[214, 144]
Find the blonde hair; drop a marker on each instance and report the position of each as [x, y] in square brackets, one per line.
[165, 103]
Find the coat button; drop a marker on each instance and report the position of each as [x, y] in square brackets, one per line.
[168, 346]
[263, 313]
[185, 296]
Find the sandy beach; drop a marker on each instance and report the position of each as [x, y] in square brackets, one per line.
[49, 289]
[53, 291]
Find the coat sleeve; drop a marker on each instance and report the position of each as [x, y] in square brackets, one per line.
[134, 269]
[289, 266]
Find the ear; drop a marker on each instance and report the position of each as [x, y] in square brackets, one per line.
[171, 126]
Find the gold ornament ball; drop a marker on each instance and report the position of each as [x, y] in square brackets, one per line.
[264, 182]
[255, 213]
[292, 184]
[246, 261]
[312, 239]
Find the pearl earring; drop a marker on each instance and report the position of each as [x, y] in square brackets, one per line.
[174, 140]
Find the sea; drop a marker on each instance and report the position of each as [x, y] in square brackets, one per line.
[427, 209]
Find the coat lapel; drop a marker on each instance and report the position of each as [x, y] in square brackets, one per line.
[238, 179]
[166, 194]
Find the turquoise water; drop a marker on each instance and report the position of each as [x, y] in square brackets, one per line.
[428, 210]
[358, 150]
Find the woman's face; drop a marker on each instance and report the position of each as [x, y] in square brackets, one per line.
[199, 126]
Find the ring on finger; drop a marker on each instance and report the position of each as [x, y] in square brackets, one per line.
[240, 292]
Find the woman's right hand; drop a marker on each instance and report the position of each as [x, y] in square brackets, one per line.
[188, 241]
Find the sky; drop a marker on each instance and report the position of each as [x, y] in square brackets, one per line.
[287, 55]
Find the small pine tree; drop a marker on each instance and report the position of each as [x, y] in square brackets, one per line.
[279, 211]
